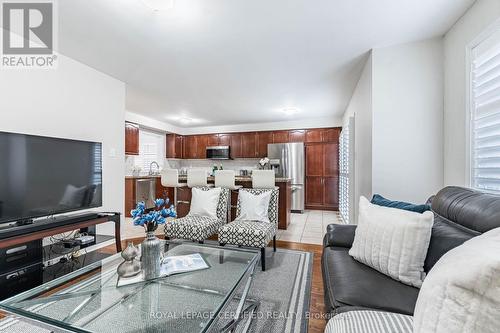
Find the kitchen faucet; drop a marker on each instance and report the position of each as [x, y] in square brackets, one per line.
[151, 173]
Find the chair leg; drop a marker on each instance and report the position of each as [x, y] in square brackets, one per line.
[274, 243]
[263, 258]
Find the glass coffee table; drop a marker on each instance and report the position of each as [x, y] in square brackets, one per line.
[88, 300]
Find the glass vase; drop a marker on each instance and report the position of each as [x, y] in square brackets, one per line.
[151, 256]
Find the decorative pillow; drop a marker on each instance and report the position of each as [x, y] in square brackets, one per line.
[392, 241]
[462, 291]
[381, 201]
[204, 203]
[254, 207]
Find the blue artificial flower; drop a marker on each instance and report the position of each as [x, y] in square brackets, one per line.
[159, 202]
[141, 206]
[161, 220]
[138, 221]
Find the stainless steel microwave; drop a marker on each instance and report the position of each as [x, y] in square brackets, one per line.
[218, 153]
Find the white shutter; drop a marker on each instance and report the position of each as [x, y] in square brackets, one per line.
[485, 115]
[346, 166]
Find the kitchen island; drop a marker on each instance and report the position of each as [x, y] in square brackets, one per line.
[184, 194]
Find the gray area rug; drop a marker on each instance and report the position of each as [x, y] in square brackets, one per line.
[284, 292]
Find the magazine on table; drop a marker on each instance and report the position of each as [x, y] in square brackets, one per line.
[171, 266]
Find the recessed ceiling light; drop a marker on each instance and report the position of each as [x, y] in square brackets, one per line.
[290, 111]
[185, 120]
[159, 5]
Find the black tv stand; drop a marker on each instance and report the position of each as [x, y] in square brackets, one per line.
[19, 234]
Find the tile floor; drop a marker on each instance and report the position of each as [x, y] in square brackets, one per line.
[308, 228]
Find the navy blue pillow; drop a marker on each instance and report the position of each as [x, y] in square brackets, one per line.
[381, 201]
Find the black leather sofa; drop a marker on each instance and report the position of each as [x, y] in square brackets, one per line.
[460, 214]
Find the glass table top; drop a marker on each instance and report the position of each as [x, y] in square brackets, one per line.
[88, 299]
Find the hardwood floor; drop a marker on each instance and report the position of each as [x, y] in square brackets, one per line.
[317, 322]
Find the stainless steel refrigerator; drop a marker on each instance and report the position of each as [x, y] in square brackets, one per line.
[288, 160]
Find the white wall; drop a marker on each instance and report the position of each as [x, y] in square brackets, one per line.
[360, 107]
[408, 120]
[73, 101]
[482, 14]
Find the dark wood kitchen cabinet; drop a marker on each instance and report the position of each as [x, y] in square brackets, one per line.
[235, 145]
[129, 196]
[174, 146]
[201, 146]
[263, 139]
[213, 140]
[296, 135]
[224, 139]
[190, 146]
[280, 136]
[131, 139]
[249, 145]
[313, 135]
[322, 174]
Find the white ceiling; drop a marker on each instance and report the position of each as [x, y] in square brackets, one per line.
[223, 62]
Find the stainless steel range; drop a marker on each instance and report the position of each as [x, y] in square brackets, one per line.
[288, 161]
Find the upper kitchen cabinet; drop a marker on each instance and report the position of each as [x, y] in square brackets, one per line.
[213, 140]
[202, 144]
[224, 139]
[174, 146]
[280, 137]
[131, 139]
[296, 135]
[330, 135]
[190, 146]
[323, 135]
[263, 139]
[313, 135]
[235, 144]
[249, 145]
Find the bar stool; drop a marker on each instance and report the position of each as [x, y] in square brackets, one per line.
[263, 179]
[170, 178]
[196, 178]
[226, 179]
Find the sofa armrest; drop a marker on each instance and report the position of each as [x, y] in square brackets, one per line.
[339, 235]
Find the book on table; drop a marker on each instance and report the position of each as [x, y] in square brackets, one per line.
[170, 266]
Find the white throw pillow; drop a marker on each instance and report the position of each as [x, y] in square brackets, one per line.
[254, 207]
[204, 203]
[393, 241]
[462, 291]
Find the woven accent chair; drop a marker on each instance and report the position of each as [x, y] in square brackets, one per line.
[198, 228]
[253, 233]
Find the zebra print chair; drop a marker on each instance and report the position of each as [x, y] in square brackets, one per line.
[253, 233]
[198, 228]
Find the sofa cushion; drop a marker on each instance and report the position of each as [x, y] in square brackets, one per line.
[462, 291]
[393, 241]
[446, 235]
[351, 283]
[370, 322]
[471, 209]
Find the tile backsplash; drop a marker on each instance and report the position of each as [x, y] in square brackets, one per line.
[236, 164]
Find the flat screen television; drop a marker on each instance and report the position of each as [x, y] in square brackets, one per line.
[42, 176]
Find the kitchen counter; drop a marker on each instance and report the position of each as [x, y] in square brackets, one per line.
[284, 185]
[211, 179]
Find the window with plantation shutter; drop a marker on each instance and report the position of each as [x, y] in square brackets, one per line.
[485, 115]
